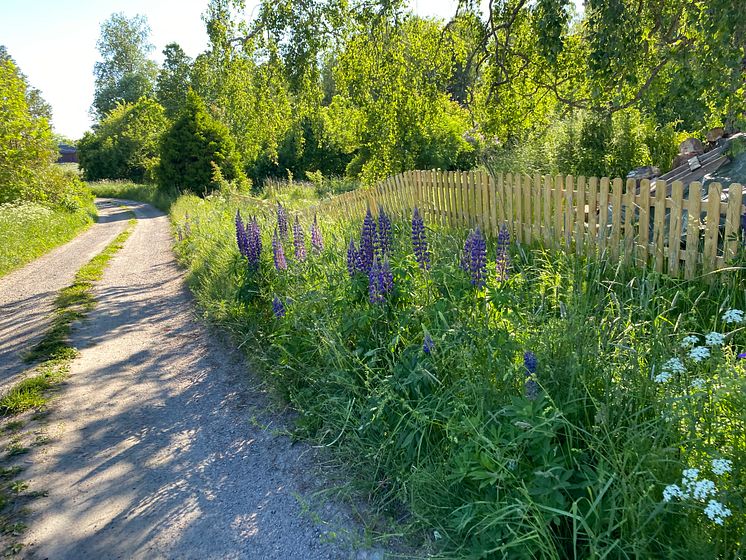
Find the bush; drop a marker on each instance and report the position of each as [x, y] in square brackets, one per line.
[125, 144]
[193, 149]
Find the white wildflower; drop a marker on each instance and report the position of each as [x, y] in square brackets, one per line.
[721, 466]
[663, 377]
[672, 491]
[689, 341]
[674, 365]
[698, 383]
[699, 353]
[714, 339]
[690, 474]
[717, 512]
[733, 316]
[702, 489]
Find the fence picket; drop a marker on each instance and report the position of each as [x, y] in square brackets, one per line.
[732, 221]
[643, 233]
[709, 259]
[629, 230]
[580, 215]
[527, 209]
[674, 227]
[659, 225]
[616, 217]
[693, 228]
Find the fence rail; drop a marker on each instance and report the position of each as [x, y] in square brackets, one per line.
[647, 224]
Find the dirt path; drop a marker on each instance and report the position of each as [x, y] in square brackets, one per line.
[153, 454]
[27, 294]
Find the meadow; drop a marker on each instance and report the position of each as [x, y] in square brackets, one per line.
[491, 400]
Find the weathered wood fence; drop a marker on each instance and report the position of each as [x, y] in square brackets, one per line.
[673, 228]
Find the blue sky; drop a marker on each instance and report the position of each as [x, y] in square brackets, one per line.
[54, 43]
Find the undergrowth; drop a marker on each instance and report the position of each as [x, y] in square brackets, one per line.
[539, 416]
[127, 190]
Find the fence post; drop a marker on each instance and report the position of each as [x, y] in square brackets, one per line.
[711, 227]
[674, 227]
[732, 221]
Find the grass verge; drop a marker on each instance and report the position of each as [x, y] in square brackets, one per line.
[127, 190]
[28, 230]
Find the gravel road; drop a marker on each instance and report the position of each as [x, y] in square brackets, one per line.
[27, 294]
[153, 454]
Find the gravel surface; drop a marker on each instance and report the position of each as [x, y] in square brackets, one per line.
[153, 454]
[27, 294]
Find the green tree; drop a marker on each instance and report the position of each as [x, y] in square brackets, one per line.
[125, 144]
[197, 152]
[26, 146]
[125, 73]
[173, 79]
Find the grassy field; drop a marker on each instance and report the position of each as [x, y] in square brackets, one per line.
[501, 402]
[28, 230]
[134, 191]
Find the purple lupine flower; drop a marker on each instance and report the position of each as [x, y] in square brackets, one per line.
[419, 241]
[240, 234]
[282, 221]
[367, 251]
[502, 262]
[531, 386]
[278, 252]
[385, 234]
[253, 242]
[428, 345]
[352, 257]
[316, 240]
[278, 307]
[299, 241]
[742, 356]
[474, 258]
[380, 281]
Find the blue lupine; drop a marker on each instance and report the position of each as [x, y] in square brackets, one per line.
[385, 234]
[317, 241]
[428, 345]
[253, 242]
[419, 241]
[278, 307]
[240, 234]
[474, 258]
[278, 252]
[502, 262]
[380, 281]
[282, 221]
[367, 251]
[352, 258]
[299, 241]
[531, 387]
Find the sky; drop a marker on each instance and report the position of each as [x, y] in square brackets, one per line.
[54, 43]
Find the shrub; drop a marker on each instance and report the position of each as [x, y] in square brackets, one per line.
[125, 144]
[192, 149]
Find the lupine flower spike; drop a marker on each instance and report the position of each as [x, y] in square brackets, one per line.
[428, 345]
[385, 235]
[316, 240]
[282, 221]
[531, 386]
[474, 258]
[502, 262]
[299, 241]
[380, 281]
[352, 258]
[240, 234]
[278, 252]
[419, 241]
[278, 307]
[367, 252]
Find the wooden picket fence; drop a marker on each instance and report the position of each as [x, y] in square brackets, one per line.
[645, 224]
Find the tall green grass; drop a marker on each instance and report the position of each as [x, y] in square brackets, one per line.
[447, 444]
[30, 229]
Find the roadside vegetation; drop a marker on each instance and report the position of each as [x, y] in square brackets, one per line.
[42, 205]
[492, 401]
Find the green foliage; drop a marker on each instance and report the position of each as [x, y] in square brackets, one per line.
[449, 439]
[173, 80]
[125, 73]
[194, 148]
[125, 190]
[126, 143]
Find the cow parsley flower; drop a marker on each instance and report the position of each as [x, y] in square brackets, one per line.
[699, 353]
[714, 339]
[721, 466]
[674, 365]
[702, 489]
[717, 512]
[690, 475]
[733, 316]
[698, 383]
[663, 377]
[689, 341]
[672, 491]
